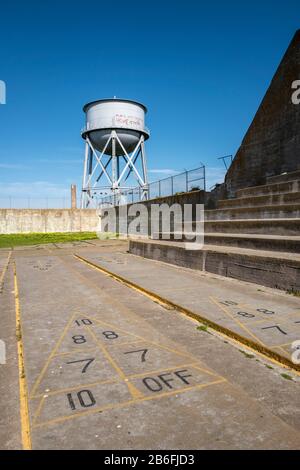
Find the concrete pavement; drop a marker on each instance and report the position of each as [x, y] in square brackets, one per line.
[109, 368]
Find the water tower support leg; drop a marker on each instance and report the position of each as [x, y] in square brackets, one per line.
[114, 162]
[130, 160]
[144, 164]
[99, 160]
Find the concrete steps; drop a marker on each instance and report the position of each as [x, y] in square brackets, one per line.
[287, 244]
[257, 212]
[264, 200]
[280, 227]
[266, 268]
[292, 176]
[274, 188]
[254, 237]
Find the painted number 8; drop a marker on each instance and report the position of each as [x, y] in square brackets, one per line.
[79, 339]
[110, 334]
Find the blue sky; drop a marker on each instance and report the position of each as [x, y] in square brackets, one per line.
[201, 68]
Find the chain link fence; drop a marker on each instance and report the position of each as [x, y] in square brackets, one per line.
[189, 180]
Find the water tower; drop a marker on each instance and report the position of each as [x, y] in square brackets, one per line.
[115, 136]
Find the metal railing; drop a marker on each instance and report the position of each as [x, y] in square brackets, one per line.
[189, 180]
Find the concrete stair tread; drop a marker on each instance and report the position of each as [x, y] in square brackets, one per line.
[257, 236]
[277, 207]
[290, 257]
[261, 197]
[263, 221]
[288, 176]
[253, 241]
[246, 236]
[269, 188]
[288, 226]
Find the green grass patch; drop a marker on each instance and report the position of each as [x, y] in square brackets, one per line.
[286, 376]
[21, 239]
[202, 328]
[249, 356]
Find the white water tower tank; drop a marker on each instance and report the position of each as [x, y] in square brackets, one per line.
[115, 156]
[125, 116]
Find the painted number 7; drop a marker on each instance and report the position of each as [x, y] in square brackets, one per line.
[88, 363]
[143, 351]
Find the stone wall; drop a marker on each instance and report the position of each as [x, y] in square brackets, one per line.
[74, 220]
[47, 220]
[271, 145]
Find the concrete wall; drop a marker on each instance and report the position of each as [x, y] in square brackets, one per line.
[47, 220]
[272, 143]
[73, 220]
[193, 198]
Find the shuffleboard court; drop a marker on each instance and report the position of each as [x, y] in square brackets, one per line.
[106, 367]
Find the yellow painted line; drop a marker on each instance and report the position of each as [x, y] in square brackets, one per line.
[24, 410]
[77, 387]
[183, 390]
[49, 359]
[236, 320]
[283, 350]
[126, 343]
[133, 390]
[51, 355]
[286, 344]
[155, 298]
[127, 311]
[63, 419]
[285, 364]
[262, 355]
[253, 322]
[75, 351]
[133, 376]
[167, 369]
[147, 341]
[230, 315]
[259, 315]
[116, 380]
[271, 318]
[253, 343]
[160, 347]
[38, 410]
[146, 373]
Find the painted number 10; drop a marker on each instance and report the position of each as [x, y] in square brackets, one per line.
[84, 397]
